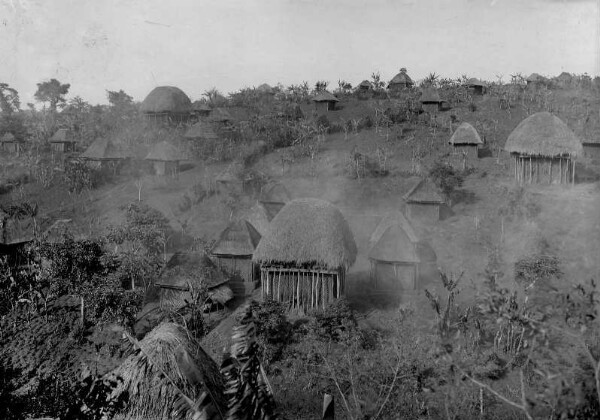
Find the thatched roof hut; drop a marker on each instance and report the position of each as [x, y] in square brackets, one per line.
[465, 134]
[201, 131]
[9, 142]
[201, 108]
[165, 152]
[7, 138]
[536, 79]
[167, 350]
[274, 197]
[394, 246]
[430, 95]
[365, 85]
[476, 86]
[63, 140]
[325, 101]
[166, 99]
[401, 80]
[423, 201]
[393, 218]
[239, 238]
[308, 232]
[543, 134]
[259, 217]
[104, 149]
[220, 115]
[265, 89]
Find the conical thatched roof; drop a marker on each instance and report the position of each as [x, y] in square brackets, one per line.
[308, 231]
[424, 192]
[195, 270]
[473, 81]
[265, 88]
[394, 218]
[366, 84]
[394, 246]
[7, 138]
[166, 99]
[430, 95]
[220, 115]
[564, 77]
[535, 77]
[166, 152]
[465, 134]
[62, 135]
[239, 238]
[324, 96]
[275, 193]
[543, 134]
[202, 131]
[259, 217]
[401, 78]
[167, 349]
[104, 149]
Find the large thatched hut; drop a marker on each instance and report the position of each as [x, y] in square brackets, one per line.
[423, 201]
[165, 158]
[103, 152]
[400, 81]
[9, 143]
[544, 149]
[167, 350]
[233, 252]
[305, 254]
[324, 101]
[274, 197]
[63, 141]
[476, 86]
[465, 143]
[167, 103]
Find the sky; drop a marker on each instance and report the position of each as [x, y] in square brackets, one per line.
[136, 45]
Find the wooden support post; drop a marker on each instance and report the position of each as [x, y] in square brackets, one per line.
[573, 172]
[551, 160]
[560, 169]
[328, 407]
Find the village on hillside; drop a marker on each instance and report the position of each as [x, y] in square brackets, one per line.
[390, 248]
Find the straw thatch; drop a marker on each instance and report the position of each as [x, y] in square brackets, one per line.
[201, 131]
[365, 85]
[266, 89]
[240, 238]
[259, 217]
[425, 252]
[536, 78]
[168, 351]
[62, 135]
[473, 81]
[401, 79]
[308, 232]
[104, 149]
[394, 246]
[465, 134]
[394, 218]
[185, 273]
[166, 99]
[8, 138]
[275, 193]
[543, 134]
[424, 192]
[220, 115]
[430, 95]
[324, 96]
[165, 152]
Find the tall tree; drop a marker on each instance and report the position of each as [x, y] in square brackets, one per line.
[52, 92]
[119, 99]
[9, 99]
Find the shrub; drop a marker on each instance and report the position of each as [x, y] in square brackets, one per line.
[273, 330]
[336, 322]
[445, 177]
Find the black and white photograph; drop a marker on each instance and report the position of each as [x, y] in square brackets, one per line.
[299, 209]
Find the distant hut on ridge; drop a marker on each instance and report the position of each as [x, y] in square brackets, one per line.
[544, 149]
[423, 201]
[564, 80]
[103, 152]
[365, 86]
[400, 81]
[536, 80]
[165, 158]
[274, 197]
[476, 86]
[305, 255]
[167, 103]
[201, 109]
[233, 252]
[465, 142]
[265, 89]
[324, 101]
[63, 141]
[430, 99]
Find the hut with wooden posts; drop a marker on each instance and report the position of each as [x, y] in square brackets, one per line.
[324, 101]
[201, 109]
[591, 148]
[103, 152]
[305, 255]
[168, 350]
[536, 80]
[476, 86]
[544, 150]
[184, 279]
[9, 143]
[430, 99]
[165, 158]
[365, 86]
[63, 141]
[423, 201]
[233, 252]
[465, 143]
[399, 259]
[259, 217]
[274, 197]
[400, 81]
[167, 104]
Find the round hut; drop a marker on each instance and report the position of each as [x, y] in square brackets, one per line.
[324, 101]
[274, 197]
[165, 158]
[365, 86]
[423, 201]
[400, 81]
[104, 153]
[536, 80]
[544, 150]
[167, 103]
[430, 99]
[265, 89]
[476, 86]
[465, 143]
[305, 254]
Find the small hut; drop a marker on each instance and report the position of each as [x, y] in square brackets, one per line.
[465, 143]
[274, 197]
[233, 252]
[365, 86]
[104, 153]
[591, 148]
[265, 89]
[259, 217]
[536, 80]
[544, 149]
[63, 141]
[305, 254]
[165, 158]
[400, 81]
[430, 99]
[9, 143]
[564, 80]
[187, 274]
[201, 109]
[167, 103]
[476, 86]
[167, 350]
[324, 101]
[423, 201]
[220, 116]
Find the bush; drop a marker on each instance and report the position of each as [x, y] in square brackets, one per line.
[273, 330]
[323, 122]
[445, 177]
[336, 322]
